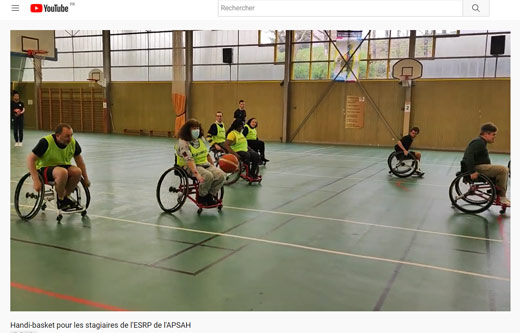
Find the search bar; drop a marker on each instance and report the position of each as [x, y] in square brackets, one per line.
[349, 8]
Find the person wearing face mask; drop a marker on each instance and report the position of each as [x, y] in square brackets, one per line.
[51, 158]
[252, 138]
[193, 155]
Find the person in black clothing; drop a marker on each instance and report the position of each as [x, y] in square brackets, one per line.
[404, 145]
[240, 113]
[252, 138]
[476, 160]
[17, 111]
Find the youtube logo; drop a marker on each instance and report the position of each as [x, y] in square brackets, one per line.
[36, 8]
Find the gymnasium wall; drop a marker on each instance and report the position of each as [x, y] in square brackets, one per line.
[449, 112]
[264, 101]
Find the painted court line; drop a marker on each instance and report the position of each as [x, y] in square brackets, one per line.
[364, 223]
[66, 297]
[354, 222]
[355, 178]
[315, 249]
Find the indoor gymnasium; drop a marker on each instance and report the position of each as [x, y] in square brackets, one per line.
[263, 170]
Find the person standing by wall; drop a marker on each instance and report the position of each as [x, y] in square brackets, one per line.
[240, 113]
[17, 111]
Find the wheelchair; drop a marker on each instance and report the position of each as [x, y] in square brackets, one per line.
[474, 196]
[175, 186]
[241, 172]
[28, 202]
[402, 166]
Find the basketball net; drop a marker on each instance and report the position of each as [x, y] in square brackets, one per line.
[405, 81]
[37, 57]
[92, 83]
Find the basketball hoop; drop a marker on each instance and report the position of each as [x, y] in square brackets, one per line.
[405, 80]
[96, 78]
[92, 82]
[37, 57]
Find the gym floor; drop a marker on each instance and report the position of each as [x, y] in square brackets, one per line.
[327, 229]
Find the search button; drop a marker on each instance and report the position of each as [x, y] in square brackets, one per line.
[476, 8]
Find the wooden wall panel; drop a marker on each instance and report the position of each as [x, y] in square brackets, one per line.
[264, 101]
[142, 106]
[449, 112]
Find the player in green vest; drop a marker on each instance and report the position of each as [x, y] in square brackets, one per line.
[217, 133]
[238, 144]
[252, 138]
[52, 158]
[193, 155]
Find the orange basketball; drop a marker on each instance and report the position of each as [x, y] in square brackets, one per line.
[228, 163]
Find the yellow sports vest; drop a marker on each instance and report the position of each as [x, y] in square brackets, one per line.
[240, 142]
[221, 134]
[200, 155]
[251, 133]
[55, 155]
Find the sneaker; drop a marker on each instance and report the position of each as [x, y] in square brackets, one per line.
[65, 204]
[265, 160]
[211, 201]
[419, 172]
[505, 201]
[19, 144]
[202, 200]
[16, 144]
[70, 204]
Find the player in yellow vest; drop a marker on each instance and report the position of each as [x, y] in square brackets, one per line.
[217, 133]
[252, 138]
[238, 144]
[193, 155]
[52, 159]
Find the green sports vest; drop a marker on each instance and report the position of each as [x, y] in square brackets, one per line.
[221, 134]
[200, 155]
[251, 133]
[240, 142]
[55, 155]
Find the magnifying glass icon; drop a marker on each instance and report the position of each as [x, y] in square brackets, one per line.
[475, 8]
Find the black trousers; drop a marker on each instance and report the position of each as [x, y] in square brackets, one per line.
[18, 128]
[258, 146]
[251, 158]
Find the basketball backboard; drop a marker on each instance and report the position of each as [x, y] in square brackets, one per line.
[409, 68]
[23, 40]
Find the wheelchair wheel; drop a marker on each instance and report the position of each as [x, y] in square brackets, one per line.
[472, 196]
[232, 178]
[81, 194]
[27, 201]
[400, 165]
[172, 189]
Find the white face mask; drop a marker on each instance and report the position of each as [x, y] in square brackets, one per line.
[195, 133]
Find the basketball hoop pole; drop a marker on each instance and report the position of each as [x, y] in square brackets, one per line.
[407, 106]
[37, 57]
[406, 70]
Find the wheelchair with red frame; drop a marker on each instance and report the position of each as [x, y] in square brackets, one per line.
[474, 195]
[241, 172]
[176, 185]
[28, 202]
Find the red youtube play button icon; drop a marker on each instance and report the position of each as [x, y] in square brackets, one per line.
[36, 8]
